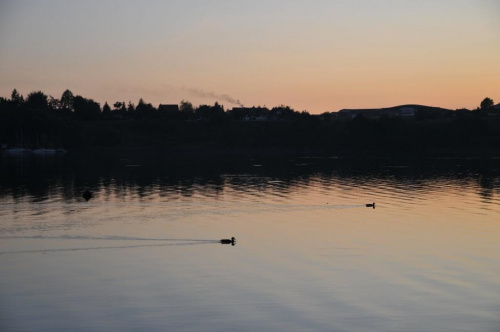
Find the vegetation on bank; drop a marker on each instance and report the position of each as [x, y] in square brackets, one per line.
[75, 122]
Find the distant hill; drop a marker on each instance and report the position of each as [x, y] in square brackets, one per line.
[408, 110]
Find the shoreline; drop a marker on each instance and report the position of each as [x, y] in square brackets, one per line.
[196, 152]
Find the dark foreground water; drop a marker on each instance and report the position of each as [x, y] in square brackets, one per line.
[144, 254]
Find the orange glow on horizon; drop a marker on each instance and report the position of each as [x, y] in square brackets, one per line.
[314, 57]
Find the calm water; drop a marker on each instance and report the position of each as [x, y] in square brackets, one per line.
[143, 253]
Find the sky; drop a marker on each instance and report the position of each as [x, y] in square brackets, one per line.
[314, 55]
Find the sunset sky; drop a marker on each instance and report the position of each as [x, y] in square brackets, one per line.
[311, 55]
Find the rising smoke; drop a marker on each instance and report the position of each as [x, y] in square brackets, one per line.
[205, 94]
[167, 91]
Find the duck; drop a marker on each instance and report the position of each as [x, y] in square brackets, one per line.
[228, 241]
[87, 195]
[371, 205]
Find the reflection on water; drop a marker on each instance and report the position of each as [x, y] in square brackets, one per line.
[165, 242]
[146, 251]
[188, 243]
[70, 176]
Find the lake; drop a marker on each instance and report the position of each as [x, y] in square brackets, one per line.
[144, 253]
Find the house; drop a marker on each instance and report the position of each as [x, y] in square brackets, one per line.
[372, 113]
[168, 108]
[250, 113]
[407, 111]
[494, 110]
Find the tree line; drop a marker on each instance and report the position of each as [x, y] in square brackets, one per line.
[78, 122]
[86, 109]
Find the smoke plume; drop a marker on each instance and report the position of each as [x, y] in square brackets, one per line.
[223, 97]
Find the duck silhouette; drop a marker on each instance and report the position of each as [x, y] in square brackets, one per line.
[230, 241]
[371, 205]
[87, 195]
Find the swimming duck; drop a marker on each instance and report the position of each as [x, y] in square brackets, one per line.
[371, 205]
[228, 241]
[87, 195]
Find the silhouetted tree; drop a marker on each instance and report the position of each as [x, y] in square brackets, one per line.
[37, 100]
[186, 107]
[283, 112]
[140, 110]
[5, 106]
[130, 107]
[67, 99]
[486, 103]
[54, 103]
[106, 108]
[106, 111]
[120, 110]
[144, 110]
[210, 113]
[186, 110]
[16, 99]
[141, 102]
[218, 109]
[86, 109]
[305, 114]
[117, 105]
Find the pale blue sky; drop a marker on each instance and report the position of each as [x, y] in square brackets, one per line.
[313, 55]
